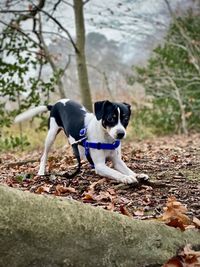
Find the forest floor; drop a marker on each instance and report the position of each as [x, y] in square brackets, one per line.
[172, 163]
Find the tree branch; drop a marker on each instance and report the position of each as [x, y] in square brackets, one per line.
[190, 49]
[49, 58]
[65, 2]
[105, 79]
[33, 12]
[85, 2]
[62, 28]
[12, 26]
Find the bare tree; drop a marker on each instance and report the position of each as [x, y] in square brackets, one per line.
[35, 12]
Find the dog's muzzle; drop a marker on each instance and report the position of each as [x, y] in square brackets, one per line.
[120, 134]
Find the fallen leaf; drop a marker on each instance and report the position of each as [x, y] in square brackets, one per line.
[175, 222]
[103, 195]
[110, 206]
[62, 190]
[174, 214]
[196, 222]
[185, 258]
[125, 211]
[139, 212]
[111, 191]
[89, 196]
[92, 186]
[43, 189]
[173, 262]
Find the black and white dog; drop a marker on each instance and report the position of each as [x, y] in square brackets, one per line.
[95, 136]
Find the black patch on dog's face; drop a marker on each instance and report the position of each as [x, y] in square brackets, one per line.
[108, 112]
[125, 113]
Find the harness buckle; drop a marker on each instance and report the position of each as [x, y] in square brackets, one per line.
[83, 132]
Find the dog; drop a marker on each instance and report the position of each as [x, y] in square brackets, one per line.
[95, 136]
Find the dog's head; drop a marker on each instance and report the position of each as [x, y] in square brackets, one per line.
[114, 117]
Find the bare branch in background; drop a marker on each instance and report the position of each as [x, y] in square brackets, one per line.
[65, 2]
[105, 77]
[62, 28]
[4, 11]
[190, 49]
[85, 2]
[56, 5]
[34, 9]
[14, 27]
[50, 59]
[32, 14]
[178, 98]
[67, 64]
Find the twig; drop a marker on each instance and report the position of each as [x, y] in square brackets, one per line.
[20, 163]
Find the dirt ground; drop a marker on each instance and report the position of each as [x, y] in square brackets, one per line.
[173, 164]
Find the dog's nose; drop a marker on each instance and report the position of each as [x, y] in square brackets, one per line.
[120, 135]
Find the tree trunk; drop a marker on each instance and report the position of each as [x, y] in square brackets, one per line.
[182, 111]
[181, 105]
[53, 232]
[80, 55]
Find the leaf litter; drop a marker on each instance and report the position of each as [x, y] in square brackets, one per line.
[186, 257]
[173, 164]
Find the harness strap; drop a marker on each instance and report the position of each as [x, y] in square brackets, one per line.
[87, 145]
[89, 158]
[103, 146]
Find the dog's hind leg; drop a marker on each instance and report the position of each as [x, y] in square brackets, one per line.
[53, 130]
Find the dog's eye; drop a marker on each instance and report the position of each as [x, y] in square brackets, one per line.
[111, 119]
[126, 118]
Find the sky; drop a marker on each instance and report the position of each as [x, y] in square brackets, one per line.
[137, 26]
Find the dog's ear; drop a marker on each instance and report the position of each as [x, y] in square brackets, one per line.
[128, 106]
[99, 108]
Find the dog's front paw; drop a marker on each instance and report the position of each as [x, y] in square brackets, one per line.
[40, 173]
[129, 179]
[141, 177]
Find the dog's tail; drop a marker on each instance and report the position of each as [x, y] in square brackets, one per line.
[28, 114]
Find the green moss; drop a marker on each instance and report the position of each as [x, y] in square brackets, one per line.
[40, 231]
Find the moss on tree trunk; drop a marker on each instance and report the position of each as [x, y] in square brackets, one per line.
[45, 231]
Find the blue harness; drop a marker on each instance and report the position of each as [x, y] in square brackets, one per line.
[87, 145]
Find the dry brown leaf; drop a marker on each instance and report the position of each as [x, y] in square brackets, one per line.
[110, 206]
[92, 186]
[104, 195]
[125, 211]
[62, 190]
[196, 222]
[89, 196]
[185, 258]
[43, 189]
[173, 262]
[139, 212]
[111, 191]
[174, 214]
[175, 222]
[51, 163]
